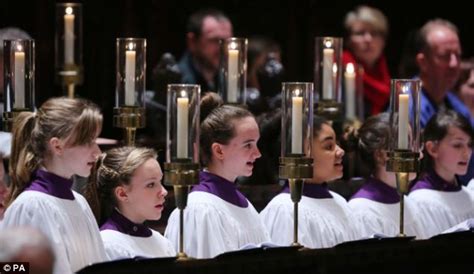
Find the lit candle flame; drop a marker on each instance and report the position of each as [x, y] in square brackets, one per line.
[69, 10]
[233, 45]
[350, 68]
[183, 94]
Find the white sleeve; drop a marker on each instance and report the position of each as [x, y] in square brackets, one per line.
[278, 219]
[206, 231]
[115, 251]
[38, 214]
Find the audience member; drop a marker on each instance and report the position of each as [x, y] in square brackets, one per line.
[367, 31]
[200, 63]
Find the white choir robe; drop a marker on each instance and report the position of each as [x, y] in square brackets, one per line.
[441, 210]
[321, 222]
[213, 226]
[119, 245]
[470, 186]
[381, 218]
[68, 224]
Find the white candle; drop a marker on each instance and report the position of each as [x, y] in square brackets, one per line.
[130, 56]
[403, 121]
[297, 124]
[19, 100]
[349, 81]
[328, 61]
[182, 124]
[69, 36]
[232, 74]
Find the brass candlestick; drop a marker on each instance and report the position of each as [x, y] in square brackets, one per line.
[69, 77]
[182, 147]
[129, 118]
[181, 175]
[296, 163]
[296, 169]
[330, 109]
[402, 162]
[404, 137]
[68, 47]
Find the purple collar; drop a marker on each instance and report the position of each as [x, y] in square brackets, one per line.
[316, 191]
[431, 180]
[222, 188]
[52, 184]
[376, 190]
[120, 223]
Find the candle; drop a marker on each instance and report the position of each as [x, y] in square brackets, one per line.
[403, 121]
[328, 61]
[232, 73]
[69, 36]
[349, 81]
[297, 124]
[19, 100]
[182, 124]
[130, 56]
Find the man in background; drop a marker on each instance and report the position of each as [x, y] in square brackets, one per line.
[200, 63]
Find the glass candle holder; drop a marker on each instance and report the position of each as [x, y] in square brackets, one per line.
[233, 69]
[297, 119]
[130, 72]
[182, 127]
[405, 115]
[68, 43]
[19, 75]
[327, 71]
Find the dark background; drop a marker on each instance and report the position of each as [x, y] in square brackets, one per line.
[293, 24]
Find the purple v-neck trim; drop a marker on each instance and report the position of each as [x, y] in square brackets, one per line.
[221, 187]
[316, 191]
[376, 190]
[52, 184]
[120, 223]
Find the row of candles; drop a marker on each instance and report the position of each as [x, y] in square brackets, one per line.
[131, 67]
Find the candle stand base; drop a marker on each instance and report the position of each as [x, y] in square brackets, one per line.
[129, 118]
[402, 162]
[296, 168]
[181, 174]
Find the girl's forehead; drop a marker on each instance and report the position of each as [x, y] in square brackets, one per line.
[456, 132]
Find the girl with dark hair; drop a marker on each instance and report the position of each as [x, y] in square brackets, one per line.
[325, 219]
[377, 203]
[218, 217]
[49, 147]
[125, 190]
[441, 200]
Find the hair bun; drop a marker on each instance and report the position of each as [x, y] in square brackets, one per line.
[209, 102]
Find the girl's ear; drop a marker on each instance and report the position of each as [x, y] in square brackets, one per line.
[121, 194]
[217, 151]
[56, 146]
[432, 149]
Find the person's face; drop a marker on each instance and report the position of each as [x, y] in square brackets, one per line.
[145, 195]
[327, 155]
[78, 160]
[441, 61]
[451, 154]
[239, 155]
[366, 43]
[466, 90]
[207, 47]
